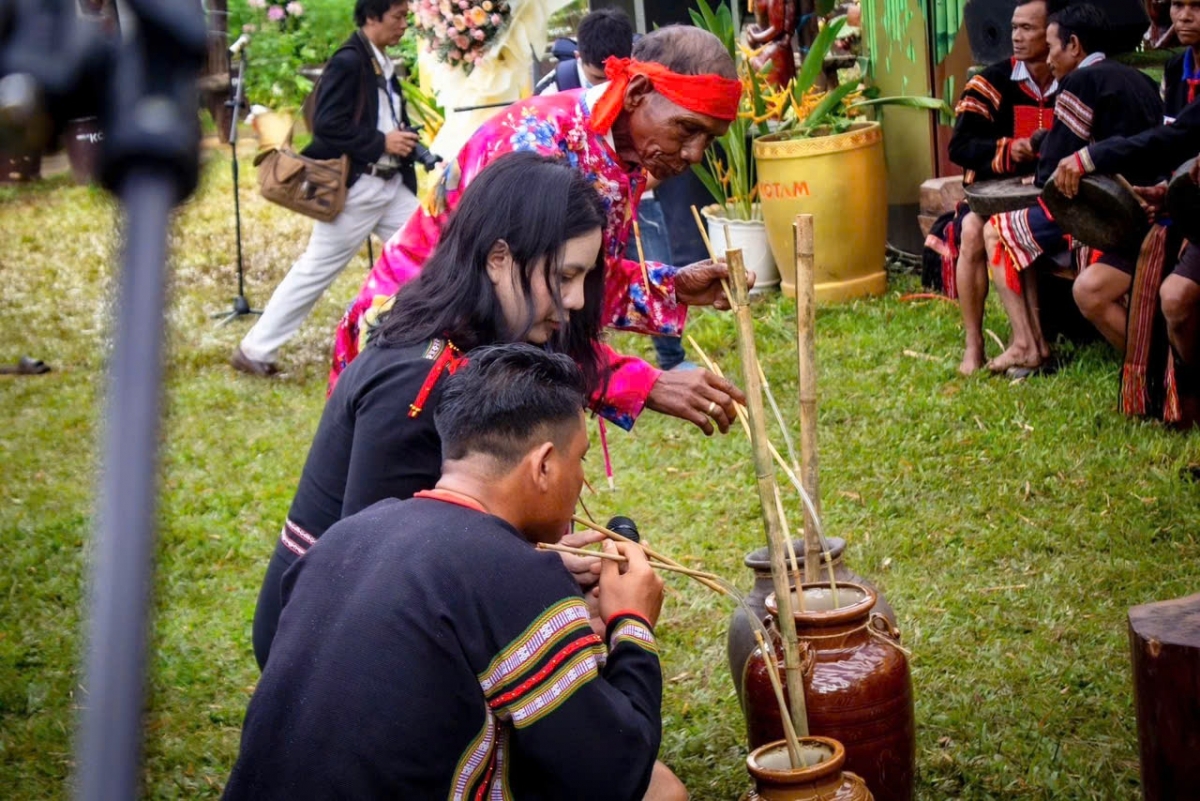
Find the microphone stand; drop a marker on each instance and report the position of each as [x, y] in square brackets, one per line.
[241, 306]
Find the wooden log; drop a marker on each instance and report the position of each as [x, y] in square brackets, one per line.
[806, 358]
[1165, 642]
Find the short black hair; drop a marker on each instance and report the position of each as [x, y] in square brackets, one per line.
[686, 50]
[604, 33]
[372, 9]
[1052, 6]
[1086, 23]
[507, 399]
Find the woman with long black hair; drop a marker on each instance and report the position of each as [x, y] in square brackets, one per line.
[520, 261]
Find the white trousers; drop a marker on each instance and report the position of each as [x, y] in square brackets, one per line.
[372, 205]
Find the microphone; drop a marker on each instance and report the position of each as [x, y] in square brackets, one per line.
[241, 42]
[625, 527]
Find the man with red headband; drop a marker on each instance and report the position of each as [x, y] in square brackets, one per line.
[656, 115]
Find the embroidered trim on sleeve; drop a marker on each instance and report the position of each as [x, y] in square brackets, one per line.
[1001, 162]
[1074, 114]
[633, 630]
[985, 88]
[971, 105]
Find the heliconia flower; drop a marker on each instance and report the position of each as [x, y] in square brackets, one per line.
[276, 13]
[294, 9]
[496, 20]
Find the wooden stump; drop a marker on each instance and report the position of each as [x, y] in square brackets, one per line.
[1165, 640]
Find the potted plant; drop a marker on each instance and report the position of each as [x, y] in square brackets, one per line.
[826, 159]
[729, 172]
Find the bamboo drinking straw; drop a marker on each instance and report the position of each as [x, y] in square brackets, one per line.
[650, 552]
[807, 362]
[767, 488]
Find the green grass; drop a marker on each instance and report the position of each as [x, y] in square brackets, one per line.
[944, 487]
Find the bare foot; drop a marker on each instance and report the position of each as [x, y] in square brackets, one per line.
[971, 362]
[1015, 357]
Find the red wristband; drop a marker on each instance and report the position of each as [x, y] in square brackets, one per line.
[627, 613]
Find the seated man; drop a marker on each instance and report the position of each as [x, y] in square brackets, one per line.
[1097, 99]
[998, 113]
[1163, 149]
[1100, 291]
[428, 649]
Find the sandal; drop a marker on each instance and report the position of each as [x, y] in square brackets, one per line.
[26, 365]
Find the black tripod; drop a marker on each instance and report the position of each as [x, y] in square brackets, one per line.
[241, 306]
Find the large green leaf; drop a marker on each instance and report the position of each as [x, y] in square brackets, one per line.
[810, 70]
[909, 101]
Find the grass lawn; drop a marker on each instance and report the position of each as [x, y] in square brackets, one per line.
[945, 488]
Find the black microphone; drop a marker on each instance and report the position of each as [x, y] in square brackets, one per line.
[625, 527]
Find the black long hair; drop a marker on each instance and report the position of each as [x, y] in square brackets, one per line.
[535, 204]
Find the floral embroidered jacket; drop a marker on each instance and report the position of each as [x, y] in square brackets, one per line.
[556, 125]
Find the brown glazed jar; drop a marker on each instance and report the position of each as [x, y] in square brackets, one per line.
[740, 641]
[776, 780]
[858, 689]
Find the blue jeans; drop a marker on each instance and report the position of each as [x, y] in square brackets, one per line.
[657, 247]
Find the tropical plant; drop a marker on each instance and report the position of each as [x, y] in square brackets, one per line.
[800, 109]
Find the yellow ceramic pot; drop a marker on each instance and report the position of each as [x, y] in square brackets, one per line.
[841, 180]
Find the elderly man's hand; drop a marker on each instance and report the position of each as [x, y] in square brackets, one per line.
[696, 395]
[1067, 176]
[699, 284]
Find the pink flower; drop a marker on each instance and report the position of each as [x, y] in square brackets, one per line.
[294, 9]
[463, 5]
[455, 55]
[276, 13]
[478, 35]
[496, 20]
[462, 42]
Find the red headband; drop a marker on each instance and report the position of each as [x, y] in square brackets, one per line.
[710, 95]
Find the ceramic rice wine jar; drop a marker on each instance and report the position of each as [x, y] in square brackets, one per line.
[858, 689]
[741, 642]
[776, 780]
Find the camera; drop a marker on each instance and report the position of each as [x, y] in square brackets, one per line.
[421, 154]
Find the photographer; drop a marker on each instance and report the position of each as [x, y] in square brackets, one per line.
[360, 113]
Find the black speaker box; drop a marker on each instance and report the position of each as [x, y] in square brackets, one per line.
[989, 26]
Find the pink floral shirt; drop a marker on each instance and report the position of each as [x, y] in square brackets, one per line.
[556, 125]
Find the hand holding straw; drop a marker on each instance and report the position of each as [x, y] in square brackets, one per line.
[613, 557]
[650, 552]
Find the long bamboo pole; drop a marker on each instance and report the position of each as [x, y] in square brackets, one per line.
[764, 468]
[806, 357]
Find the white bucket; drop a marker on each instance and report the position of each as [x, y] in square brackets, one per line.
[751, 237]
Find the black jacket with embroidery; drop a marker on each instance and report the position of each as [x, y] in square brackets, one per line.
[428, 650]
[993, 111]
[1098, 102]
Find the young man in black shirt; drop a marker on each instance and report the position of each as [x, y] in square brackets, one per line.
[428, 649]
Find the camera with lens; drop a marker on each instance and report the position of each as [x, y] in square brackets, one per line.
[421, 154]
